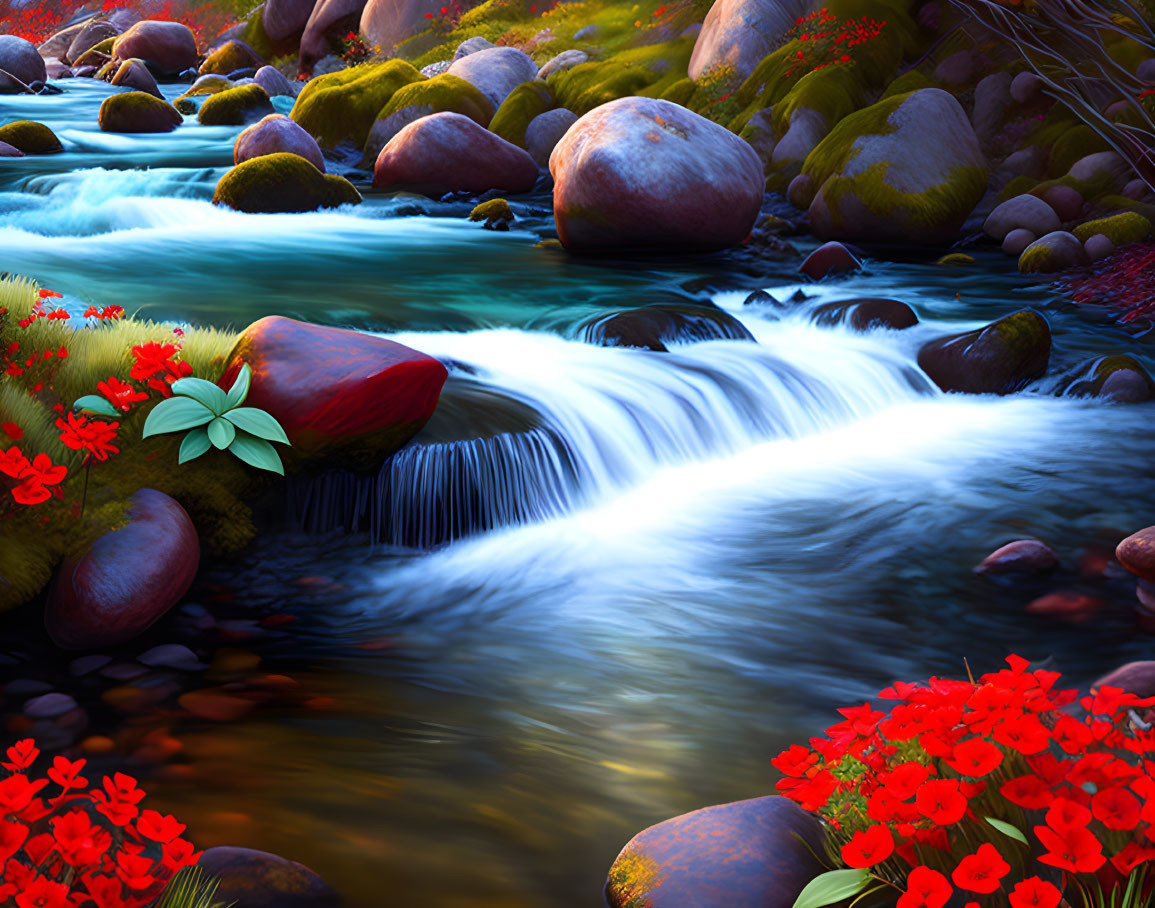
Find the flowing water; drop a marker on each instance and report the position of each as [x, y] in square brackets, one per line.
[650, 573]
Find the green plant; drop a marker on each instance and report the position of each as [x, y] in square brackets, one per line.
[191, 889]
[218, 420]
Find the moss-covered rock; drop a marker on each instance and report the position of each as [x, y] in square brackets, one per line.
[644, 71]
[30, 137]
[909, 81]
[1119, 377]
[528, 100]
[997, 359]
[1056, 251]
[230, 57]
[1072, 146]
[496, 213]
[236, 107]
[441, 94]
[282, 182]
[1121, 229]
[138, 111]
[956, 258]
[343, 106]
[207, 85]
[135, 75]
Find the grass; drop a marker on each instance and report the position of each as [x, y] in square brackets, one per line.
[190, 888]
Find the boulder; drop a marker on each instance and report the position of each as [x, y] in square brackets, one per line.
[750, 854]
[1017, 240]
[1106, 167]
[737, 34]
[448, 152]
[528, 100]
[10, 151]
[388, 23]
[441, 94]
[30, 137]
[276, 133]
[957, 69]
[21, 59]
[281, 183]
[471, 46]
[274, 82]
[1030, 162]
[997, 359]
[759, 132]
[229, 58]
[1056, 251]
[96, 31]
[1137, 190]
[992, 98]
[1120, 377]
[656, 327]
[1023, 556]
[328, 386]
[545, 131]
[135, 75]
[495, 71]
[1026, 88]
[236, 106]
[1068, 606]
[806, 130]
[1065, 200]
[1023, 211]
[908, 168]
[138, 111]
[1137, 553]
[58, 71]
[343, 106]
[1098, 247]
[127, 579]
[169, 47]
[256, 879]
[284, 20]
[866, 314]
[328, 20]
[641, 173]
[829, 258]
[1137, 678]
[56, 46]
[1120, 229]
[567, 59]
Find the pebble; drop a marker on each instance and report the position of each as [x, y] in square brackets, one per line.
[123, 671]
[87, 664]
[171, 655]
[48, 706]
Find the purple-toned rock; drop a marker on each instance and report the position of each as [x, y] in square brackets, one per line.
[829, 258]
[867, 314]
[128, 578]
[328, 18]
[545, 131]
[1023, 211]
[1098, 247]
[10, 151]
[21, 59]
[1102, 165]
[285, 20]
[567, 59]
[48, 706]
[997, 359]
[1137, 678]
[135, 75]
[800, 192]
[449, 152]
[1137, 553]
[750, 854]
[58, 71]
[94, 31]
[257, 879]
[641, 173]
[273, 81]
[495, 71]
[738, 34]
[1026, 88]
[169, 46]
[957, 69]
[275, 133]
[1017, 240]
[1023, 556]
[171, 655]
[1066, 201]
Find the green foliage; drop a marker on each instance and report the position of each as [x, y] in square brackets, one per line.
[831, 887]
[191, 888]
[343, 106]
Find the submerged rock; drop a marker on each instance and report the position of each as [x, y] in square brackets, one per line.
[1056, 251]
[750, 854]
[169, 47]
[1023, 556]
[30, 137]
[230, 57]
[654, 327]
[829, 258]
[282, 183]
[135, 75]
[20, 58]
[138, 112]
[236, 106]
[257, 879]
[865, 314]
[1120, 377]
[128, 579]
[277, 133]
[997, 359]
[640, 173]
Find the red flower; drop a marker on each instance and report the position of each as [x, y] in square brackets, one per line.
[12, 836]
[975, 758]
[1066, 814]
[22, 754]
[1035, 893]
[119, 799]
[43, 893]
[981, 871]
[925, 888]
[30, 492]
[104, 890]
[1026, 734]
[941, 802]
[179, 853]
[13, 463]
[135, 871]
[1029, 792]
[1075, 849]
[45, 294]
[1116, 808]
[92, 312]
[66, 774]
[904, 780]
[150, 359]
[12, 430]
[93, 436]
[16, 793]
[79, 842]
[120, 394]
[1132, 855]
[869, 847]
[794, 761]
[163, 829]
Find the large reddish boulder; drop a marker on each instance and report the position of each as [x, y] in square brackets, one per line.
[750, 854]
[641, 173]
[127, 579]
[329, 386]
[256, 879]
[449, 152]
[997, 359]
[277, 133]
[169, 46]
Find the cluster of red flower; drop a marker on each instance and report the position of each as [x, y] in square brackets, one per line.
[827, 39]
[121, 858]
[905, 793]
[155, 365]
[36, 23]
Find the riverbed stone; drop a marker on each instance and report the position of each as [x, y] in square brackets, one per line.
[737, 34]
[138, 112]
[495, 71]
[328, 18]
[1017, 240]
[1137, 678]
[230, 57]
[236, 106]
[20, 58]
[1023, 556]
[282, 182]
[758, 853]
[1102, 166]
[1055, 251]
[642, 173]
[170, 47]
[1026, 88]
[127, 579]
[273, 134]
[1067, 201]
[1026, 212]
[1137, 553]
[329, 387]
[567, 59]
[1098, 247]
[95, 31]
[10, 151]
[274, 82]
[30, 137]
[656, 327]
[998, 359]
[829, 258]
[285, 20]
[257, 879]
[344, 105]
[135, 75]
[992, 98]
[866, 314]
[545, 131]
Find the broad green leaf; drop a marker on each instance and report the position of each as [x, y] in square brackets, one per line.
[91, 403]
[175, 414]
[202, 391]
[194, 445]
[832, 886]
[240, 389]
[257, 452]
[1007, 829]
[221, 432]
[257, 422]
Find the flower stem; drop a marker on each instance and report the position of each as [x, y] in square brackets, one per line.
[84, 494]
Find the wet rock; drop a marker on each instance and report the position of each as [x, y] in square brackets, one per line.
[1137, 678]
[235, 107]
[10, 151]
[1098, 247]
[230, 57]
[829, 258]
[495, 71]
[1105, 166]
[285, 20]
[1026, 88]
[1067, 606]
[96, 30]
[866, 314]
[127, 579]
[328, 18]
[135, 75]
[760, 298]
[138, 112]
[800, 192]
[274, 82]
[171, 655]
[992, 98]
[655, 327]
[567, 59]
[1027, 212]
[641, 173]
[496, 214]
[749, 854]
[256, 879]
[282, 183]
[1056, 251]
[545, 131]
[58, 71]
[1023, 556]
[449, 152]
[328, 387]
[20, 58]
[169, 47]
[997, 359]
[738, 34]
[1137, 553]
[56, 47]
[277, 133]
[1066, 201]
[1017, 240]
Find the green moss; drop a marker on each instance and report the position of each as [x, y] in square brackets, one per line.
[104, 47]
[131, 111]
[282, 183]
[956, 258]
[343, 106]
[493, 212]
[1037, 259]
[92, 57]
[1075, 144]
[1088, 379]
[835, 151]
[210, 86]
[1121, 229]
[681, 92]
[528, 100]
[834, 92]
[229, 58]
[1017, 186]
[30, 137]
[1110, 203]
[236, 106]
[444, 93]
[646, 71]
[258, 39]
[906, 83]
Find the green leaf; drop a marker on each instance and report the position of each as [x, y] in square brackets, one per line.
[257, 422]
[175, 414]
[221, 433]
[1007, 829]
[194, 445]
[257, 452]
[91, 403]
[240, 389]
[202, 391]
[832, 886]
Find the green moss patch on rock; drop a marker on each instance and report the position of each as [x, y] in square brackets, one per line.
[528, 100]
[230, 57]
[496, 213]
[1120, 229]
[343, 106]
[30, 137]
[137, 112]
[236, 106]
[1094, 379]
[645, 71]
[282, 183]
[909, 81]
[441, 94]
